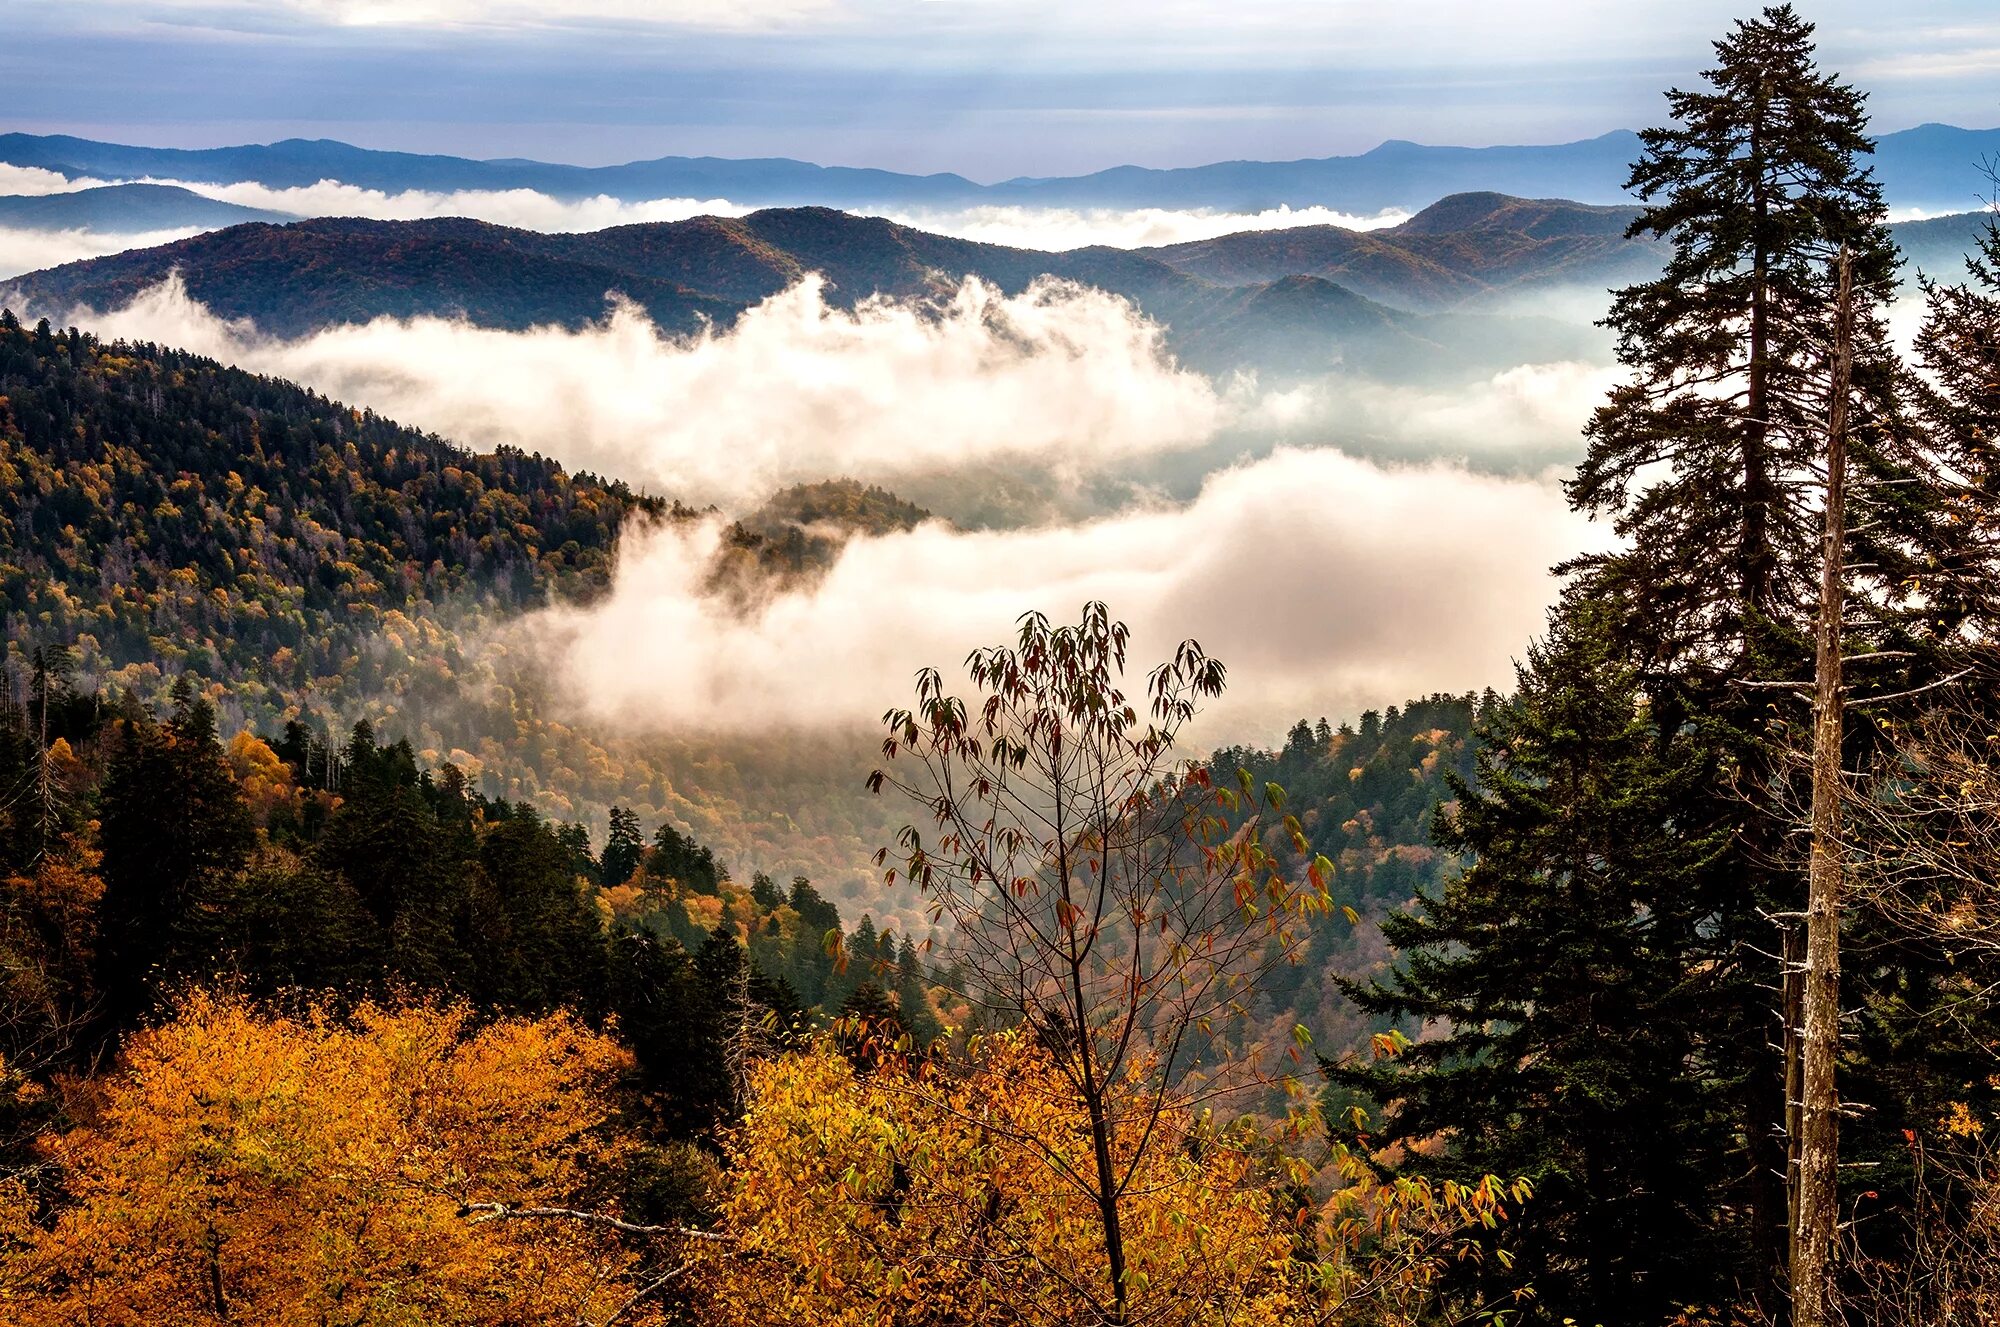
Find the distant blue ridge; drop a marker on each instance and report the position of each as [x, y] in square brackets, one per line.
[1935, 167]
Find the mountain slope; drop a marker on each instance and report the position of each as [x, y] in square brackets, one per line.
[296, 278]
[1479, 250]
[123, 208]
[150, 497]
[1937, 247]
[1932, 166]
[1459, 249]
[161, 513]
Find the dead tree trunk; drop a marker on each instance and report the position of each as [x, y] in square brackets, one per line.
[1818, 1207]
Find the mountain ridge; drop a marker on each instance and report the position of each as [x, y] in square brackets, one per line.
[296, 278]
[120, 207]
[1932, 166]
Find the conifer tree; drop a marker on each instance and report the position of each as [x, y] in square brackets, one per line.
[173, 831]
[624, 847]
[1706, 460]
[1554, 969]
[1756, 184]
[913, 1000]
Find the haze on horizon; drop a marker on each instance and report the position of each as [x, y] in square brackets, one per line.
[985, 89]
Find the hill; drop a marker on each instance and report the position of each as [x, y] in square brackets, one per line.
[1461, 249]
[1479, 250]
[162, 515]
[295, 278]
[1931, 166]
[124, 208]
[1364, 795]
[1937, 246]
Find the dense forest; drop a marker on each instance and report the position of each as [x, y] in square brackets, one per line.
[1657, 992]
[167, 515]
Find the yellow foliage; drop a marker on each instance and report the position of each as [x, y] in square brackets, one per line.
[1962, 1123]
[280, 1171]
[914, 1194]
[266, 780]
[704, 910]
[624, 903]
[908, 1196]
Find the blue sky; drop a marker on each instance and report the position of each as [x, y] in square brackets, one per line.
[990, 88]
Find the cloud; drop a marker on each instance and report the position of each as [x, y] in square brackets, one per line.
[503, 14]
[1062, 378]
[528, 209]
[1522, 419]
[1325, 583]
[1057, 229]
[32, 250]
[1053, 229]
[16, 181]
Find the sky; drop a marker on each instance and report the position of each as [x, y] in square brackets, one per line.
[987, 88]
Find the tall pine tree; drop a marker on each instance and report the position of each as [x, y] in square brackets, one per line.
[174, 832]
[1707, 459]
[1553, 972]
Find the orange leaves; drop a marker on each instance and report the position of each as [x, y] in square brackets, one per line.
[927, 1192]
[302, 1170]
[266, 780]
[920, 1194]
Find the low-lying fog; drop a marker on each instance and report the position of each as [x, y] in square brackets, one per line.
[1341, 543]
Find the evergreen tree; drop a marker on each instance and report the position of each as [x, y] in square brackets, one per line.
[624, 847]
[676, 856]
[406, 866]
[668, 1014]
[173, 830]
[1756, 186]
[537, 945]
[913, 1000]
[1921, 1045]
[1555, 967]
[812, 972]
[1707, 461]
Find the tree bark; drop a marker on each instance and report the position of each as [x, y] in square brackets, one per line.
[1814, 1247]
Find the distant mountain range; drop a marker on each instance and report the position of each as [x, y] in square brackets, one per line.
[292, 279]
[1934, 167]
[1466, 249]
[1414, 298]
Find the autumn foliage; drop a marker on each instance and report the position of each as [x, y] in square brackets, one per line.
[915, 1195]
[310, 1169]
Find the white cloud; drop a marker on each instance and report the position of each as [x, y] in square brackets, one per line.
[32, 250]
[33, 180]
[1060, 377]
[1053, 229]
[1527, 417]
[527, 209]
[1325, 583]
[1124, 228]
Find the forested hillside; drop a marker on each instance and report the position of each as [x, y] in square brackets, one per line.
[167, 516]
[164, 507]
[1365, 795]
[294, 279]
